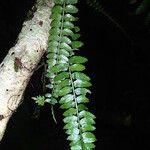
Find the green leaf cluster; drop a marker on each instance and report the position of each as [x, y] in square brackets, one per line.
[40, 100]
[68, 84]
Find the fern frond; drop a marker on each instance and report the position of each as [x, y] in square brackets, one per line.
[68, 84]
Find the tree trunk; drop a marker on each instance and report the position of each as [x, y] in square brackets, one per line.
[21, 61]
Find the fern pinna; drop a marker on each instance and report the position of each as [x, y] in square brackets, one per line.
[67, 83]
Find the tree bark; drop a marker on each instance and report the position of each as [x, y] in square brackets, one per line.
[21, 61]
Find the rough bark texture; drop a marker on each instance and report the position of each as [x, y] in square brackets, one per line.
[21, 60]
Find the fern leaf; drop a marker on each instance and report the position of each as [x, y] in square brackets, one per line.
[76, 44]
[61, 76]
[69, 17]
[71, 9]
[65, 91]
[82, 91]
[77, 60]
[81, 83]
[80, 76]
[68, 85]
[77, 67]
[66, 99]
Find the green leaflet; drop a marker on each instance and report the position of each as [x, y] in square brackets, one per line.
[64, 83]
[66, 99]
[81, 83]
[71, 9]
[72, 131]
[67, 105]
[52, 101]
[65, 46]
[86, 114]
[73, 137]
[77, 60]
[71, 124]
[54, 38]
[57, 9]
[64, 52]
[87, 121]
[59, 68]
[48, 95]
[40, 100]
[82, 107]
[61, 76]
[70, 119]
[87, 127]
[55, 23]
[82, 91]
[50, 86]
[76, 44]
[62, 59]
[65, 91]
[56, 16]
[82, 99]
[68, 24]
[66, 40]
[75, 36]
[69, 17]
[52, 56]
[67, 32]
[76, 144]
[53, 44]
[80, 76]
[77, 67]
[76, 29]
[89, 146]
[88, 137]
[70, 112]
[52, 49]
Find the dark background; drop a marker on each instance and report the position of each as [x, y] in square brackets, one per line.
[118, 66]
